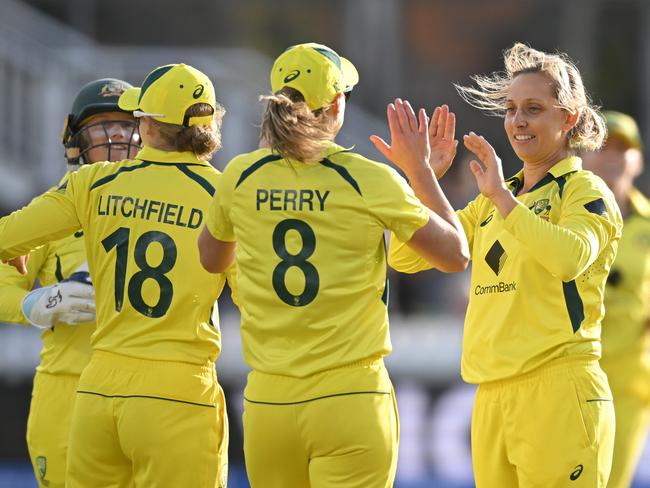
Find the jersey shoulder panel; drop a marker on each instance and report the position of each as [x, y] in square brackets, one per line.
[363, 174]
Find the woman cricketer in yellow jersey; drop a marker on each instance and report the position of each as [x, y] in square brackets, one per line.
[64, 308]
[626, 326]
[149, 411]
[542, 244]
[306, 218]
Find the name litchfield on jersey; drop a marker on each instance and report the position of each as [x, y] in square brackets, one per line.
[163, 212]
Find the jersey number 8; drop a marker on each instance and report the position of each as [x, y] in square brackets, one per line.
[312, 280]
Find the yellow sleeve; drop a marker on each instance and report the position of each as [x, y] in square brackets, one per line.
[46, 218]
[231, 278]
[405, 260]
[14, 287]
[392, 201]
[589, 220]
[218, 219]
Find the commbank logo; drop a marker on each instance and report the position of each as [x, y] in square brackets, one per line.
[500, 287]
[577, 471]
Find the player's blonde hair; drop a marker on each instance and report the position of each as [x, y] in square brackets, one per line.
[292, 130]
[491, 91]
[202, 140]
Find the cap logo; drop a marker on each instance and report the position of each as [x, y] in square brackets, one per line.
[198, 91]
[292, 75]
[111, 89]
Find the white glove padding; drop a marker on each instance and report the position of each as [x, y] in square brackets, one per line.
[70, 302]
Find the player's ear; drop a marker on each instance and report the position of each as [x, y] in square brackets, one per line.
[338, 105]
[571, 120]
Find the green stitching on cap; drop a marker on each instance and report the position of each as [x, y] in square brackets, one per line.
[152, 77]
[331, 55]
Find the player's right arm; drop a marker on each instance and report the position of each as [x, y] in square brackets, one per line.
[403, 258]
[49, 217]
[217, 243]
[441, 240]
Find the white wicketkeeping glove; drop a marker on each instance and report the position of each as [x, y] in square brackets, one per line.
[71, 301]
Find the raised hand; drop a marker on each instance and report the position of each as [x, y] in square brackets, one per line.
[442, 129]
[489, 174]
[409, 146]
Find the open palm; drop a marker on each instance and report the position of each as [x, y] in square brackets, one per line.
[489, 174]
[441, 140]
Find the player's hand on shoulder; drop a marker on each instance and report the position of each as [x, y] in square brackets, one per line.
[72, 301]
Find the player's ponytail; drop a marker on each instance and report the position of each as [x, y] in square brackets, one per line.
[202, 140]
[292, 130]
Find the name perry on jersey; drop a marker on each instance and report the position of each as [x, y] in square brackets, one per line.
[145, 209]
[289, 199]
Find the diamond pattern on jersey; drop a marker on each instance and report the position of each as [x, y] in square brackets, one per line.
[496, 257]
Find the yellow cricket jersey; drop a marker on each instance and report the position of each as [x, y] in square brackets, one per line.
[66, 348]
[141, 219]
[311, 258]
[538, 276]
[626, 333]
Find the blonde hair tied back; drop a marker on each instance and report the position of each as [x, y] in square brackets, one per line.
[202, 140]
[292, 130]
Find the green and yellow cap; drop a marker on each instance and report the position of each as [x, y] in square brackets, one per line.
[166, 94]
[316, 71]
[622, 126]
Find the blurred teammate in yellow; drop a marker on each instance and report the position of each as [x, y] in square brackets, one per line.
[626, 326]
[149, 411]
[306, 218]
[542, 244]
[64, 308]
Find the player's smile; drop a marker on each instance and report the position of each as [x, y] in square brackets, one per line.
[533, 121]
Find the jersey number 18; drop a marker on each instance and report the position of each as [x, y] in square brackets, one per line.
[120, 241]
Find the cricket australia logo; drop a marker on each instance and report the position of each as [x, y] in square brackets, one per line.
[41, 465]
[112, 89]
[496, 258]
[541, 208]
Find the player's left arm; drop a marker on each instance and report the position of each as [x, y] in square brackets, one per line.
[589, 220]
[589, 217]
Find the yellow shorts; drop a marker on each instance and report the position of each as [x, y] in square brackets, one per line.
[148, 423]
[349, 439]
[629, 379]
[552, 427]
[48, 426]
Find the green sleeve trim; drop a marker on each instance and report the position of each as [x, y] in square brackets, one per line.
[574, 304]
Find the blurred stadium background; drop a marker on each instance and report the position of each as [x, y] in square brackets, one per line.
[409, 48]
